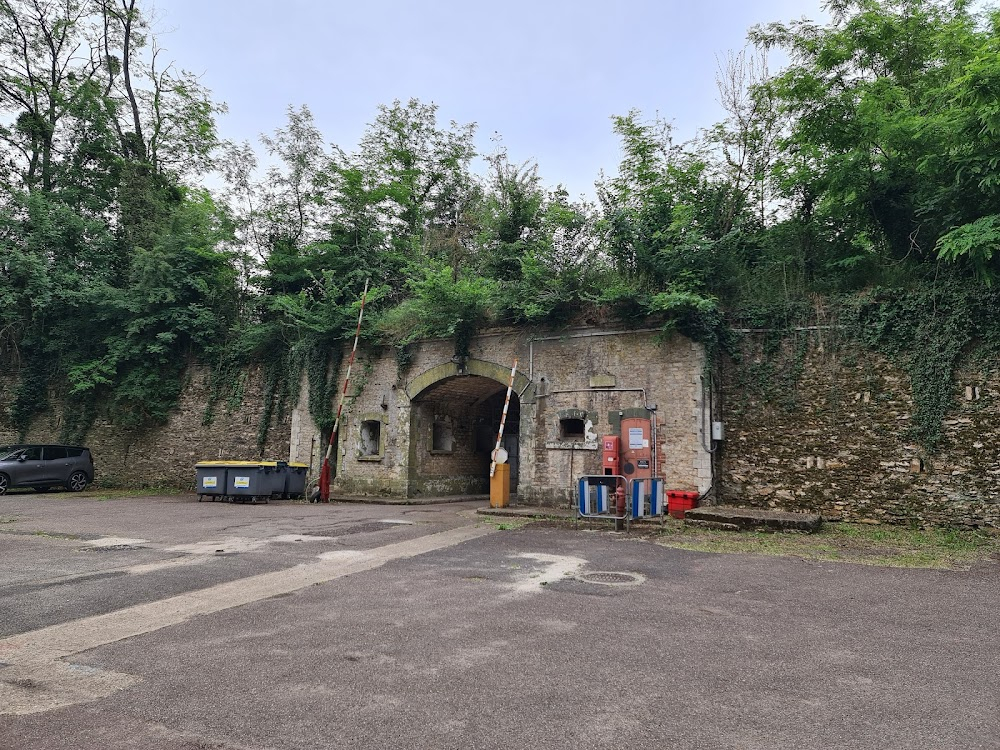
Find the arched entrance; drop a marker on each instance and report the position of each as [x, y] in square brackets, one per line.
[454, 418]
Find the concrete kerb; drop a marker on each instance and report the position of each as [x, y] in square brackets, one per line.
[535, 512]
[366, 500]
[541, 513]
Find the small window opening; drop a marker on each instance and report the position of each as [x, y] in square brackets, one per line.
[442, 437]
[572, 429]
[371, 435]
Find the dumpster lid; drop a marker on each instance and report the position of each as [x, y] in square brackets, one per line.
[234, 463]
[223, 464]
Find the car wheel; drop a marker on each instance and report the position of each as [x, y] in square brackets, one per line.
[77, 481]
[4, 482]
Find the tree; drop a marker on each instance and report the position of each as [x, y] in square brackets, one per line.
[510, 217]
[423, 172]
[890, 142]
[661, 220]
[108, 273]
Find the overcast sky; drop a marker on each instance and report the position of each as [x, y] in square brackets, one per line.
[546, 75]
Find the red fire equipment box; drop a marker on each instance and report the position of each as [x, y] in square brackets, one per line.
[637, 449]
[611, 460]
[679, 501]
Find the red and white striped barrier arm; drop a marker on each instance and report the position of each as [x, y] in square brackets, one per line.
[503, 418]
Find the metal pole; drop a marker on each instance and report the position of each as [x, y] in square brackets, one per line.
[324, 474]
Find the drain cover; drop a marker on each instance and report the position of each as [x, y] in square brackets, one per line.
[611, 579]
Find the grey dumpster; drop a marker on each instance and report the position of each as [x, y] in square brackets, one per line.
[211, 480]
[250, 481]
[291, 481]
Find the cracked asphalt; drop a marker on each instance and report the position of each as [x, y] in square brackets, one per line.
[169, 624]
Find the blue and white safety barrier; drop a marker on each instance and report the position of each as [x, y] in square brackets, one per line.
[644, 505]
[594, 496]
[595, 503]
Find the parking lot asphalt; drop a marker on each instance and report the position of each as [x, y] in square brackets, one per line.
[164, 623]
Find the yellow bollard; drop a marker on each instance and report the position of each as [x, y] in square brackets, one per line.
[500, 487]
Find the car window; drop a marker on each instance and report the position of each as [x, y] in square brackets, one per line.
[74, 452]
[32, 453]
[54, 452]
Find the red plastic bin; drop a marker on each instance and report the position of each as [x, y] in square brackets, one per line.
[680, 501]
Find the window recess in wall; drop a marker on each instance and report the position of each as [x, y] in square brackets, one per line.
[442, 436]
[371, 437]
[573, 430]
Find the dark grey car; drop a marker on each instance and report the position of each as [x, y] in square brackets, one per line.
[42, 466]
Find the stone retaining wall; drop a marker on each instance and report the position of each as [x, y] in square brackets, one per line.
[165, 456]
[825, 428]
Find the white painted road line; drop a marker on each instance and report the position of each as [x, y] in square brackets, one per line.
[34, 679]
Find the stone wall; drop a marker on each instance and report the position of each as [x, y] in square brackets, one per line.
[809, 425]
[825, 428]
[429, 428]
[598, 374]
[165, 456]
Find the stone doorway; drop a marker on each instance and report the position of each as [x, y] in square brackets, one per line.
[453, 430]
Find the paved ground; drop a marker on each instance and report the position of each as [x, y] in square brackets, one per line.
[163, 623]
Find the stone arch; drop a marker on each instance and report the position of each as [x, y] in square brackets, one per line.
[522, 385]
[455, 411]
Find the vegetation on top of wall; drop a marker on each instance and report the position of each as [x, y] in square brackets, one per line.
[863, 170]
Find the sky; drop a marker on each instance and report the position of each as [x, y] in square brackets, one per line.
[542, 77]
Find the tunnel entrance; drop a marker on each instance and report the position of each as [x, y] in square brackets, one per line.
[454, 424]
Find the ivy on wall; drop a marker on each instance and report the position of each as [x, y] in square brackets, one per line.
[925, 330]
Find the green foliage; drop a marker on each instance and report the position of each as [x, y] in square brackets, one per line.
[891, 122]
[977, 242]
[321, 372]
[924, 330]
[860, 171]
[441, 306]
[273, 400]
[31, 395]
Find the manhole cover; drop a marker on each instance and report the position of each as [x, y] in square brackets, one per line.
[612, 579]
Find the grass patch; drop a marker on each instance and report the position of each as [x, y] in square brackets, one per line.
[53, 535]
[506, 524]
[120, 493]
[887, 546]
